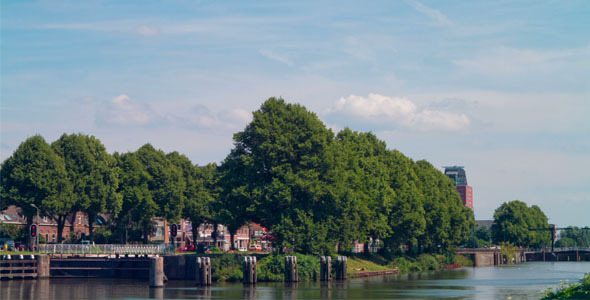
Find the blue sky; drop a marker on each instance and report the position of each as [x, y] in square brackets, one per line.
[499, 87]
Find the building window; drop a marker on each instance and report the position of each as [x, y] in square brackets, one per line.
[47, 237]
[53, 238]
[45, 219]
[79, 220]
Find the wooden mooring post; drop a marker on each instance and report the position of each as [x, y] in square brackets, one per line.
[325, 268]
[203, 271]
[291, 274]
[249, 269]
[157, 272]
[341, 265]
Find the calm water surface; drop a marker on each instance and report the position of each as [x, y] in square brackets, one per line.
[523, 281]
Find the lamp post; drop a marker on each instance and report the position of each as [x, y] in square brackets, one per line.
[36, 235]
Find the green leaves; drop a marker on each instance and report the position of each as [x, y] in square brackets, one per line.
[520, 225]
[314, 190]
[34, 174]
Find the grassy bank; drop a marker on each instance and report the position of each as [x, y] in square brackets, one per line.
[579, 290]
[405, 264]
[228, 267]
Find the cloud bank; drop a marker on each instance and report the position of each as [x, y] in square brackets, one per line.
[378, 111]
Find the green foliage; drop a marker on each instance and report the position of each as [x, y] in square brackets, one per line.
[428, 262]
[520, 225]
[579, 290]
[166, 182]
[566, 242]
[227, 267]
[462, 261]
[508, 250]
[93, 174]
[580, 236]
[272, 267]
[11, 231]
[317, 193]
[35, 175]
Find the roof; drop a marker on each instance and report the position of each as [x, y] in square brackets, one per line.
[484, 223]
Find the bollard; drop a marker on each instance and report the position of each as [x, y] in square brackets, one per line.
[157, 272]
[341, 265]
[325, 268]
[43, 264]
[291, 274]
[203, 271]
[249, 270]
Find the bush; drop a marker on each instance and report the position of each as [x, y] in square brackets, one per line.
[463, 261]
[574, 291]
[428, 262]
[226, 267]
[272, 267]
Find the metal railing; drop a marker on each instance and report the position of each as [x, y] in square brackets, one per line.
[105, 249]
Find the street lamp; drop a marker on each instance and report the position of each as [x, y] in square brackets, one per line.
[37, 235]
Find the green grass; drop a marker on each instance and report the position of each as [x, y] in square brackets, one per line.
[358, 264]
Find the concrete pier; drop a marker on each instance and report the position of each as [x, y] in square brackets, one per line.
[203, 271]
[157, 272]
[43, 266]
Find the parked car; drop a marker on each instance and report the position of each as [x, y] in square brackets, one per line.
[7, 244]
[20, 246]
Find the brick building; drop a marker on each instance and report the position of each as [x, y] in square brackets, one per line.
[457, 174]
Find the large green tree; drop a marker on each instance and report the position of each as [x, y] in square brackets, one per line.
[135, 221]
[282, 158]
[520, 225]
[407, 212]
[35, 175]
[166, 184]
[360, 188]
[93, 174]
[199, 190]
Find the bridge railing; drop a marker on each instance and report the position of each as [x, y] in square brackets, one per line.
[105, 249]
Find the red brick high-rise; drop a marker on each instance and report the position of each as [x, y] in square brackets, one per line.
[457, 173]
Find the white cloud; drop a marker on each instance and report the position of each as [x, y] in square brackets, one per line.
[145, 30]
[275, 56]
[123, 111]
[379, 110]
[430, 12]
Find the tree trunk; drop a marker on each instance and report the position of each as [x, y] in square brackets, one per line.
[232, 235]
[61, 223]
[366, 248]
[91, 219]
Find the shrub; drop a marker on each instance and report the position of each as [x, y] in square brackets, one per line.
[428, 262]
[226, 267]
[272, 267]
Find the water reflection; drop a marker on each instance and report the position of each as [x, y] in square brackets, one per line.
[519, 282]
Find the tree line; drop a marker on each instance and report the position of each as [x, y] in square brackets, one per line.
[315, 190]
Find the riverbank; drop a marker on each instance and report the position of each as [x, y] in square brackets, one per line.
[579, 290]
[228, 267]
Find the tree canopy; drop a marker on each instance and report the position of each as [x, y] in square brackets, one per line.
[520, 225]
[315, 191]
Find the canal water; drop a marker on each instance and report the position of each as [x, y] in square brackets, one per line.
[522, 281]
